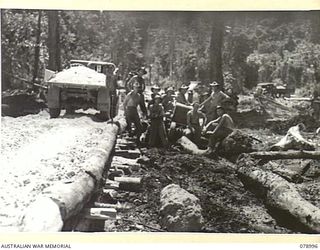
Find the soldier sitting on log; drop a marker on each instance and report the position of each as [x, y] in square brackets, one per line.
[218, 129]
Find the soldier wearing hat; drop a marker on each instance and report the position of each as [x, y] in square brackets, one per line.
[155, 91]
[216, 98]
[138, 78]
[157, 130]
[219, 128]
[168, 100]
[181, 97]
[130, 105]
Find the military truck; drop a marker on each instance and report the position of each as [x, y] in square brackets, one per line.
[85, 84]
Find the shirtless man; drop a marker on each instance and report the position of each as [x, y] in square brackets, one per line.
[219, 128]
[130, 104]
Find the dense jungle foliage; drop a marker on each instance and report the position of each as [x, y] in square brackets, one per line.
[239, 49]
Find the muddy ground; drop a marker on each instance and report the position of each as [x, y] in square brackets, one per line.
[228, 207]
[37, 152]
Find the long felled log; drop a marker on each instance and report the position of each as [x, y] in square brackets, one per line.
[71, 197]
[279, 194]
[292, 154]
[290, 173]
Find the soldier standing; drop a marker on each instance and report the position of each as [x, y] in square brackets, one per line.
[157, 128]
[168, 100]
[138, 78]
[216, 99]
[181, 97]
[130, 105]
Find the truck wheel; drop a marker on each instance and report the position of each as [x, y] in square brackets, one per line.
[104, 116]
[54, 112]
[70, 110]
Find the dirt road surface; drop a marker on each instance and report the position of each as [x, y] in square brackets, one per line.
[37, 152]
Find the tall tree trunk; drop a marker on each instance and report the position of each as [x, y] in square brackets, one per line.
[172, 48]
[37, 48]
[5, 62]
[54, 40]
[315, 26]
[215, 51]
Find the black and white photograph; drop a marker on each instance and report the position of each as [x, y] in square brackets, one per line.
[160, 121]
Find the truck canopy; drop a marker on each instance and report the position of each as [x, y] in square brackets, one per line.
[79, 75]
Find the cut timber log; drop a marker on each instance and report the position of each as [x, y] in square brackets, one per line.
[126, 146]
[274, 155]
[113, 193]
[39, 219]
[111, 184]
[131, 154]
[289, 174]
[279, 194]
[126, 162]
[189, 146]
[119, 206]
[71, 197]
[100, 213]
[126, 169]
[115, 173]
[129, 183]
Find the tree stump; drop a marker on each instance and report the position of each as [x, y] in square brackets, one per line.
[235, 144]
[293, 140]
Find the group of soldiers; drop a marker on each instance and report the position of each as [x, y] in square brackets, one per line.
[205, 119]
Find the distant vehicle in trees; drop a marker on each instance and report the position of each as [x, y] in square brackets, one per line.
[274, 90]
[86, 84]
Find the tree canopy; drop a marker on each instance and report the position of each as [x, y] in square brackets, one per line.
[176, 47]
